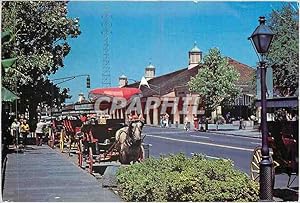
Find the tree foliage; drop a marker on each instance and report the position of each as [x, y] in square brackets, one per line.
[284, 50]
[40, 30]
[215, 81]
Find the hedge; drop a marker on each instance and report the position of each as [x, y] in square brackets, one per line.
[179, 178]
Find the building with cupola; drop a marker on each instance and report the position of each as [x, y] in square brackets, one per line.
[175, 84]
[195, 56]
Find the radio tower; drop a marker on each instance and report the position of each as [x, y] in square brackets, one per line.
[106, 31]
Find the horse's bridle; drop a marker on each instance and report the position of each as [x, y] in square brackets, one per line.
[131, 130]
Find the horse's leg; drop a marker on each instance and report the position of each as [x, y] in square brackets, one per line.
[141, 156]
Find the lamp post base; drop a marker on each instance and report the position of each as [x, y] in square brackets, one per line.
[266, 182]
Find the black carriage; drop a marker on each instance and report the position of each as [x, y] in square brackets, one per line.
[283, 144]
[98, 142]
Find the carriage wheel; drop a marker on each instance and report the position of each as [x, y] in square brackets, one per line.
[61, 141]
[255, 165]
[79, 153]
[141, 154]
[91, 160]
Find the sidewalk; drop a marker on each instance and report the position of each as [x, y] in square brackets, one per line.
[41, 174]
[243, 133]
[226, 129]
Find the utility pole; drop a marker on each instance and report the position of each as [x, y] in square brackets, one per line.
[106, 32]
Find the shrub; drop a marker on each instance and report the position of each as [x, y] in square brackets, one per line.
[178, 178]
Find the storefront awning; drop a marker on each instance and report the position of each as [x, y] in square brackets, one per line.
[7, 95]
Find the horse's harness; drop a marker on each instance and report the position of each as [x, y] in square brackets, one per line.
[130, 132]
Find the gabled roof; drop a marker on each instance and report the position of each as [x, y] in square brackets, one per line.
[165, 84]
[158, 85]
[246, 72]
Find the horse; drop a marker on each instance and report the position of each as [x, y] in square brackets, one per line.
[129, 142]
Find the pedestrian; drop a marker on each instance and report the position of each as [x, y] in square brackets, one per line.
[200, 123]
[14, 130]
[186, 123]
[39, 132]
[24, 130]
[196, 123]
[228, 117]
[161, 121]
[166, 120]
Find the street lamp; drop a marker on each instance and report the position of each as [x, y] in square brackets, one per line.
[261, 38]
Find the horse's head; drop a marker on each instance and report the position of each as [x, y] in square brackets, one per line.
[135, 131]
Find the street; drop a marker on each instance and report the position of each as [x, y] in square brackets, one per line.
[238, 149]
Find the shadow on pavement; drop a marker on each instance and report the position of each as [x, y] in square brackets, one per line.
[20, 150]
[99, 169]
[287, 194]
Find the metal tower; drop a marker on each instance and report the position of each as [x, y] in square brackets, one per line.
[106, 32]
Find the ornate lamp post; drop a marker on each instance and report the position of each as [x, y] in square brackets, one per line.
[261, 38]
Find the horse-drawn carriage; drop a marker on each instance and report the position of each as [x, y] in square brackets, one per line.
[112, 141]
[103, 137]
[64, 133]
[283, 144]
[55, 129]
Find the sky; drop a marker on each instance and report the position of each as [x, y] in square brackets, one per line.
[158, 32]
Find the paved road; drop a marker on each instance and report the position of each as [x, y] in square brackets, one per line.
[44, 175]
[237, 148]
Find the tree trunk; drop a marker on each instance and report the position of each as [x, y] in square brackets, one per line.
[33, 115]
[206, 116]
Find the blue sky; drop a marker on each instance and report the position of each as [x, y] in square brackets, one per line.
[162, 32]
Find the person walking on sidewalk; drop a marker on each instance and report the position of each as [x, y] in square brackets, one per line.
[14, 130]
[24, 130]
[39, 132]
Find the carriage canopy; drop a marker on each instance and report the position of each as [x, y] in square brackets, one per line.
[124, 92]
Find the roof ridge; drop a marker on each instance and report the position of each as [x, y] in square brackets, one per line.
[234, 60]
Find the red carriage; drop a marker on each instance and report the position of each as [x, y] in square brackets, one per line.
[95, 137]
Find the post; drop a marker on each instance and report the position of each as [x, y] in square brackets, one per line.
[16, 109]
[266, 189]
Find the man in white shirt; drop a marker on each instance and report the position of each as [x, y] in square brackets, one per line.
[39, 132]
[14, 129]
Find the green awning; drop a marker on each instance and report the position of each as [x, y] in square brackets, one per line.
[5, 36]
[7, 95]
[6, 63]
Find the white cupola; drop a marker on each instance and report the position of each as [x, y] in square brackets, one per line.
[149, 72]
[81, 97]
[123, 81]
[195, 56]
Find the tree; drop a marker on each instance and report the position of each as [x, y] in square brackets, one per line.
[40, 30]
[215, 81]
[284, 50]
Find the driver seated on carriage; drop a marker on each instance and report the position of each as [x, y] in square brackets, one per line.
[134, 117]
